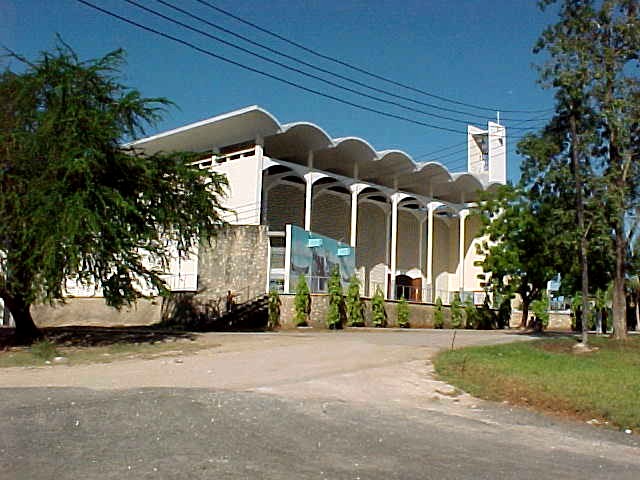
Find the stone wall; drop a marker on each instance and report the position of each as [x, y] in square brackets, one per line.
[94, 311]
[420, 314]
[560, 321]
[236, 260]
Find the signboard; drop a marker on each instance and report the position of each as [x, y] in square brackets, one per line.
[315, 256]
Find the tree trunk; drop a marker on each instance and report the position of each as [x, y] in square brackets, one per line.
[26, 331]
[584, 268]
[525, 313]
[619, 307]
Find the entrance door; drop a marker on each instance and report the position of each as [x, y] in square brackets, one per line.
[408, 288]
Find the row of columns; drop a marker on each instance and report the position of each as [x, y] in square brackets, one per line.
[392, 242]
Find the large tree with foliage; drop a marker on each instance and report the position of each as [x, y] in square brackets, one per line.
[519, 252]
[77, 204]
[593, 57]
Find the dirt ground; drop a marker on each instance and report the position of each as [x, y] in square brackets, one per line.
[384, 376]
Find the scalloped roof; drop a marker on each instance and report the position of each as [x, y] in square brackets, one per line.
[345, 156]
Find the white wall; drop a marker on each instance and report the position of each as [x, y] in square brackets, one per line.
[471, 271]
[497, 153]
[371, 245]
[245, 187]
[408, 242]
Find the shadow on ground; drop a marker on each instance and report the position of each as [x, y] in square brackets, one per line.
[91, 336]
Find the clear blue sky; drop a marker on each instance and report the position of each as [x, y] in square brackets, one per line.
[472, 51]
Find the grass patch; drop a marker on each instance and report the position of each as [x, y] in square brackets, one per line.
[547, 375]
[44, 351]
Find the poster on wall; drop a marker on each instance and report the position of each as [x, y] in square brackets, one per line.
[315, 256]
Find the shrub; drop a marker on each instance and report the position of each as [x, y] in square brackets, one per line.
[457, 312]
[378, 313]
[335, 315]
[540, 309]
[403, 313]
[273, 306]
[438, 315]
[504, 311]
[302, 303]
[44, 349]
[471, 314]
[354, 303]
[487, 318]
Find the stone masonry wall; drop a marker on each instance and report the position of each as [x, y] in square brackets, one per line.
[95, 312]
[557, 320]
[236, 260]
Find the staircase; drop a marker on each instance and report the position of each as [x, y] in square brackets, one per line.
[251, 315]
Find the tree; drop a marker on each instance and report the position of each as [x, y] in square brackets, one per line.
[75, 202]
[302, 303]
[273, 307]
[540, 308]
[403, 313]
[471, 315]
[594, 54]
[438, 314]
[354, 303]
[457, 311]
[520, 255]
[378, 312]
[335, 313]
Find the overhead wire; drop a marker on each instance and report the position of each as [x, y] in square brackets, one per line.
[285, 66]
[269, 75]
[263, 73]
[359, 69]
[331, 72]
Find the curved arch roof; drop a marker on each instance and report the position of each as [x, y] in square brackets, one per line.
[347, 156]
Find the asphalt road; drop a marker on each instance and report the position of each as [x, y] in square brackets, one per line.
[312, 406]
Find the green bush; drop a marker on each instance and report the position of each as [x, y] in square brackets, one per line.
[472, 316]
[378, 313]
[335, 314]
[274, 303]
[457, 312]
[540, 309]
[354, 303]
[403, 313]
[487, 318]
[44, 349]
[302, 303]
[504, 311]
[438, 314]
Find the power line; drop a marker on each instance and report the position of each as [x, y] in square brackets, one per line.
[358, 69]
[266, 74]
[288, 67]
[330, 72]
[512, 145]
[440, 150]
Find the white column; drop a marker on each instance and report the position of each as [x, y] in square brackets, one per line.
[421, 222]
[463, 215]
[395, 199]
[307, 200]
[260, 197]
[355, 189]
[431, 208]
[309, 178]
[354, 217]
[387, 250]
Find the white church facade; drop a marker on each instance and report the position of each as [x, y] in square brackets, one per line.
[406, 226]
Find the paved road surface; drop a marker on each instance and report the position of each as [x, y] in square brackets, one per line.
[343, 405]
